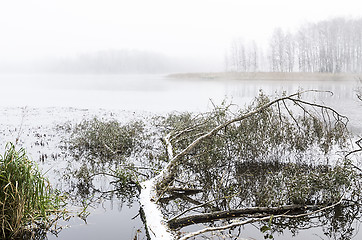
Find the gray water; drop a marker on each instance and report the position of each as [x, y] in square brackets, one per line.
[159, 94]
[156, 94]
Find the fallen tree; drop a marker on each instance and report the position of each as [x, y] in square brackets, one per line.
[234, 213]
[267, 130]
[230, 167]
[252, 220]
[168, 173]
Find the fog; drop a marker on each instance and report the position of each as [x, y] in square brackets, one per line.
[195, 34]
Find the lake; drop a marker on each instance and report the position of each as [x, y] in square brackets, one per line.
[36, 103]
[160, 94]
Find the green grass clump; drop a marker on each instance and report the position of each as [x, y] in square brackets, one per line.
[26, 199]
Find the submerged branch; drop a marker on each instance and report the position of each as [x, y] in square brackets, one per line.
[207, 217]
[251, 220]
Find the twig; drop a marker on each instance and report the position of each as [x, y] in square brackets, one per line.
[291, 114]
[111, 150]
[358, 142]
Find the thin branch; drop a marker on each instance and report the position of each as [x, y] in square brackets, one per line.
[110, 149]
[189, 209]
[358, 142]
[290, 114]
[319, 106]
[305, 111]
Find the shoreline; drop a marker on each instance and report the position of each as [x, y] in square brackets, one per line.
[271, 76]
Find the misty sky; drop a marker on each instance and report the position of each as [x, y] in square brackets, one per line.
[199, 29]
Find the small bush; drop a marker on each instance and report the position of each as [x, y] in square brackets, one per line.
[26, 199]
[105, 140]
[107, 148]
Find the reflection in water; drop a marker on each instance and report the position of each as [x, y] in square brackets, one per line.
[156, 93]
[268, 164]
[243, 183]
[102, 170]
[264, 184]
[112, 205]
[259, 186]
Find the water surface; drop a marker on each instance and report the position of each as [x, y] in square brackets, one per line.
[140, 93]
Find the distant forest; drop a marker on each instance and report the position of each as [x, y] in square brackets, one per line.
[331, 46]
[117, 61]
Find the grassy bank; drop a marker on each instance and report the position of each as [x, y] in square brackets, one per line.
[289, 76]
[26, 200]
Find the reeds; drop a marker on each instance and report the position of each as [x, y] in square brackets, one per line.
[26, 199]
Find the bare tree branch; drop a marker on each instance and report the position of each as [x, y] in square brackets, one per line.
[240, 223]
[358, 142]
[206, 217]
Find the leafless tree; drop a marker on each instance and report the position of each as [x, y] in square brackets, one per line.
[332, 46]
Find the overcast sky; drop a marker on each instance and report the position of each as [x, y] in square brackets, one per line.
[201, 29]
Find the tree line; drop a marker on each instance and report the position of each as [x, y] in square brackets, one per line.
[115, 61]
[331, 46]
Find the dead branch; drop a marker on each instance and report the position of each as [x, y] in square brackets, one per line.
[240, 223]
[111, 150]
[192, 208]
[207, 217]
[290, 114]
[167, 176]
[184, 190]
[337, 115]
[358, 142]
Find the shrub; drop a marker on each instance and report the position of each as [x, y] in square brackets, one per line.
[105, 140]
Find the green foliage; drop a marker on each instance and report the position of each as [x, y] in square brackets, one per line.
[277, 156]
[107, 149]
[267, 230]
[298, 184]
[271, 134]
[26, 198]
[106, 140]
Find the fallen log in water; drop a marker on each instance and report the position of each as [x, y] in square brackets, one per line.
[207, 217]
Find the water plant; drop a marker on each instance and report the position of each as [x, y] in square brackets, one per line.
[109, 151]
[27, 201]
[100, 140]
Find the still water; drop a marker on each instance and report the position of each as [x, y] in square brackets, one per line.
[147, 93]
[160, 94]
[157, 93]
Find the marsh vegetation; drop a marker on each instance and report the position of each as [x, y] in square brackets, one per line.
[29, 206]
